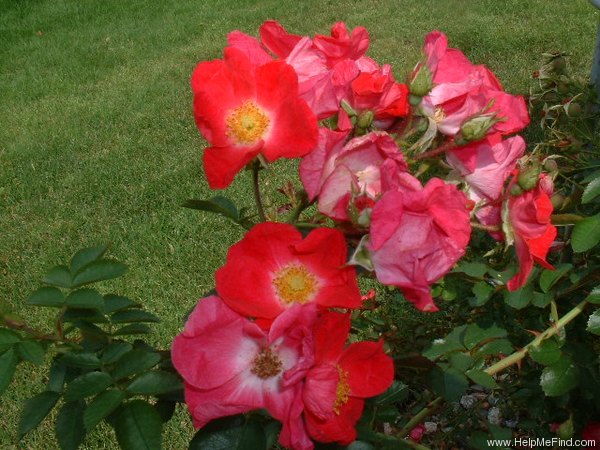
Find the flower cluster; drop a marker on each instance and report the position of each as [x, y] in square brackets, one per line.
[404, 169]
[270, 341]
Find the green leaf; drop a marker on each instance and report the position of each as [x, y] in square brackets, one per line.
[56, 377]
[398, 391]
[69, 427]
[586, 234]
[218, 204]
[114, 302]
[231, 433]
[594, 296]
[154, 383]
[85, 299]
[461, 361]
[133, 315]
[102, 405]
[35, 409]
[475, 335]
[548, 278]
[133, 328]
[59, 276]
[593, 325]
[473, 269]
[8, 364]
[31, 351]
[519, 299]
[271, 430]
[591, 191]
[47, 296]
[138, 427]
[103, 269]
[483, 291]
[86, 385]
[559, 378]
[85, 256]
[482, 378]
[449, 383]
[7, 339]
[84, 360]
[495, 347]
[91, 332]
[541, 300]
[135, 361]
[547, 353]
[114, 351]
[453, 341]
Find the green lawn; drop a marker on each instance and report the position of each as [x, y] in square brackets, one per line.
[98, 143]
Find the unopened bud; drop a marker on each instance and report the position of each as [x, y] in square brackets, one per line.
[558, 200]
[422, 82]
[414, 100]
[559, 64]
[516, 190]
[551, 96]
[562, 87]
[365, 119]
[573, 109]
[550, 165]
[528, 178]
[475, 128]
[547, 84]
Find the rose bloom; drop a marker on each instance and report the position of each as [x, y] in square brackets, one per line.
[231, 366]
[340, 380]
[530, 227]
[345, 175]
[417, 236]
[378, 92]
[463, 90]
[273, 267]
[245, 110]
[325, 65]
[486, 165]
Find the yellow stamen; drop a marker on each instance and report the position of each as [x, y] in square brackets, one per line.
[247, 123]
[295, 283]
[266, 364]
[439, 115]
[342, 391]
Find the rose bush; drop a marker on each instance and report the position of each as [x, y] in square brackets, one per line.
[422, 190]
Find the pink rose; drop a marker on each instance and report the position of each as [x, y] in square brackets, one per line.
[417, 236]
[378, 92]
[463, 90]
[344, 176]
[530, 226]
[485, 165]
[231, 366]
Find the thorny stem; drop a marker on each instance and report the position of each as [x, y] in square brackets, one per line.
[436, 151]
[257, 197]
[498, 367]
[549, 332]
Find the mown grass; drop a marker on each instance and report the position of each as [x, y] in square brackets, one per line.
[98, 144]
